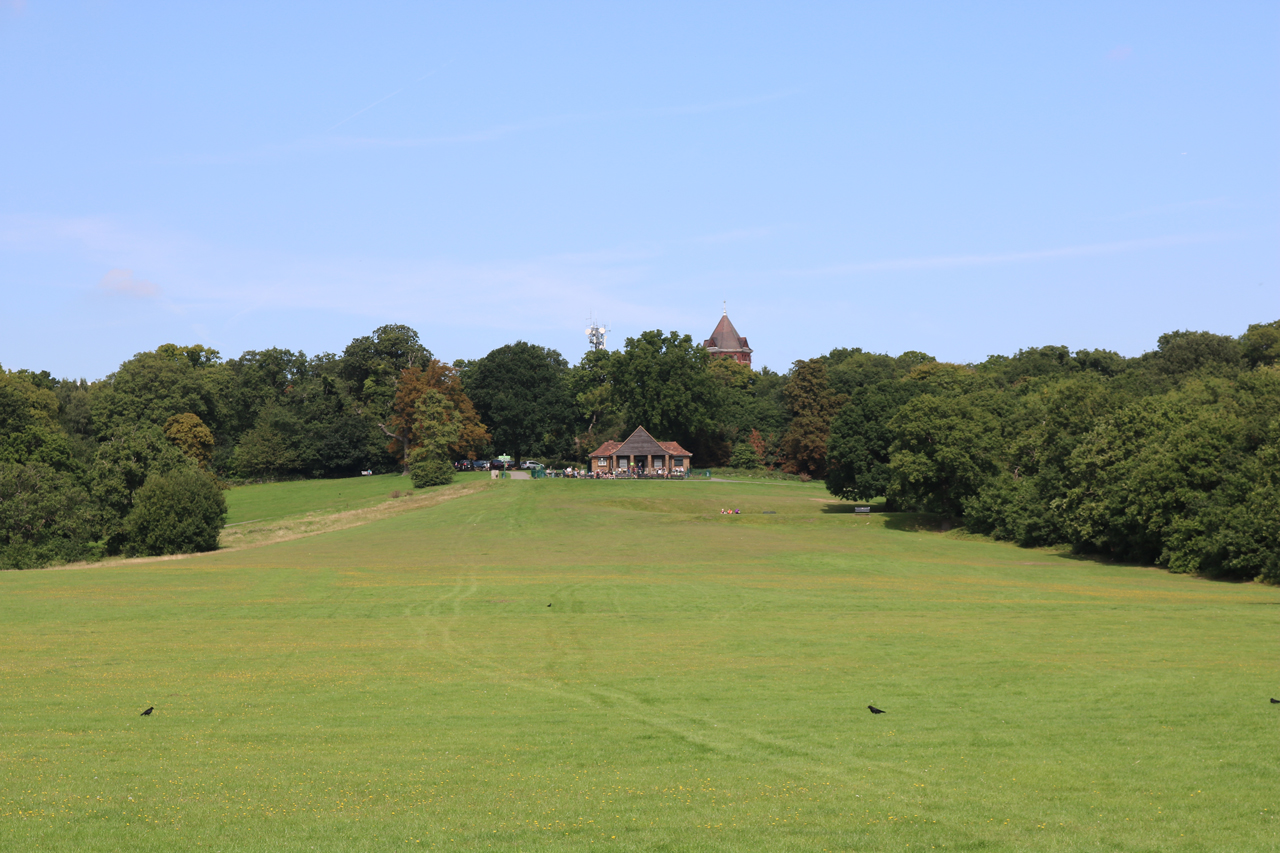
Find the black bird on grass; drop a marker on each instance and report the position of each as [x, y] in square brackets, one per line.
[1275, 701]
[147, 713]
[548, 605]
[873, 709]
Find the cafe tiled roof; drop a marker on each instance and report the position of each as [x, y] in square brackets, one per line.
[607, 449]
[640, 443]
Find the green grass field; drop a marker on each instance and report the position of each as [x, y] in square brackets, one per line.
[699, 683]
[271, 501]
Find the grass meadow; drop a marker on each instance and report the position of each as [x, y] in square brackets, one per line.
[699, 682]
[274, 501]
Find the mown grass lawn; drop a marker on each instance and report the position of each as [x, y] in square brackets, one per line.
[699, 682]
[271, 501]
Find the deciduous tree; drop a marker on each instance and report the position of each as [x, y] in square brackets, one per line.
[813, 404]
[189, 434]
[424, 393]
[521, 393]
[942, 452]
[661, 383]
[177, 512]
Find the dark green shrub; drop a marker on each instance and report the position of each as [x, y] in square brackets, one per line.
[431, 472]
[744, 456]
[175, 513]
[45, 518]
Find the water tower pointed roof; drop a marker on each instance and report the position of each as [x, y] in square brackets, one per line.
[726, 341]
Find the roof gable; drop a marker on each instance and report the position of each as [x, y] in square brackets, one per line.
[640, 443]
[726, 338]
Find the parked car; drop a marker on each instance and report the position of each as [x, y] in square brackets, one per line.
[480, 465]
[463, 465]
[529, 465]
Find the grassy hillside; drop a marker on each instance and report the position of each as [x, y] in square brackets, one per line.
[698, 682]
[246, 504]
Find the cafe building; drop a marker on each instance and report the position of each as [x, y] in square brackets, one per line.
[641, 455]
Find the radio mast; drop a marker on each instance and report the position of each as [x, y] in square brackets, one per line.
[596, 334]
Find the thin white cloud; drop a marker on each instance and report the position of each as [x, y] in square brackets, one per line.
[324, 143]
[123, 283]
[206, 279]
[944, 262]
[501, 130]
[102, 239]
[1175, 207]
[386, 97]
[737, 235]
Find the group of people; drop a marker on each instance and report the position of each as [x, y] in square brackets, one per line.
[731, 512]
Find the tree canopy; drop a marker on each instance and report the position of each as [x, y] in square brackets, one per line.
[1169, 457]
[521, 393]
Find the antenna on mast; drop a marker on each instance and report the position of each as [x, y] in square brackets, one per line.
[596, 334]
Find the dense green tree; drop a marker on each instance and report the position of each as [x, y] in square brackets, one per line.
[943, 452]
[661, 383]
[812, 404]
[850, 369]
[176, 512]
[189, 434]
[25, 403]
[295, 416]
[123, 461]
[260, 379]
[746, 401]
[946, 379]
[372, 365]
[1260, 345]
[1045, 422]
[1029, 363]
[1101, 361]
[745, 456]
[276, 446]
[1182, 479]
[1182, 353]
[46, 517]
[598, 415]
[521, 393]
[430, 472]
[41, 444]
[860, 439]
[1141, 469]
[76, 419]
[152, 387]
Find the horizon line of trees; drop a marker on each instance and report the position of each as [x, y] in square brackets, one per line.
[1169, 457]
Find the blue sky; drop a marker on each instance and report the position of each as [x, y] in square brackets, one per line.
[963, 179]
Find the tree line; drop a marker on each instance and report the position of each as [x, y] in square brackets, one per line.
[1046, 446]
[1171, 458]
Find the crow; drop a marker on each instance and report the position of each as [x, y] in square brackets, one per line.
[873, 709]
[146, 713]
[1275, 701]
[548, 605]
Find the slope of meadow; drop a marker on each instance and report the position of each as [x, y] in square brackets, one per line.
[698, 682]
